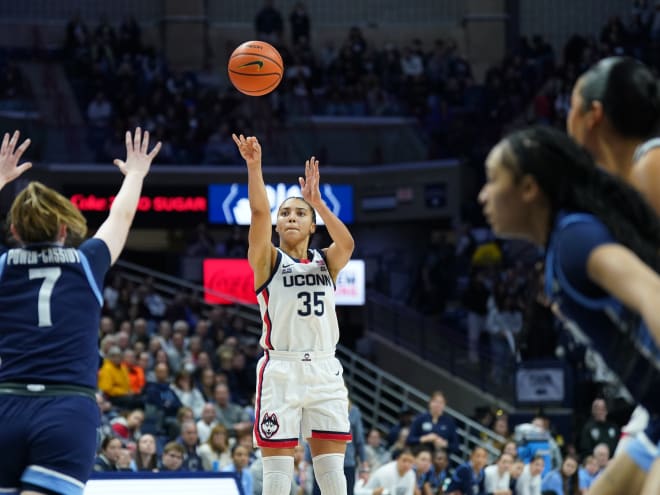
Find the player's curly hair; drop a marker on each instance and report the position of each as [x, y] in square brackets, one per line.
[571, 180]
[38, 212]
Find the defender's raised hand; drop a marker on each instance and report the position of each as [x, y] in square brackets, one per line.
[309, 186]
[137, 159]
[249, 148]
[9, 157]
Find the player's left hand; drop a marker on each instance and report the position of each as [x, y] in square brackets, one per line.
[309, 185]
[9, 158]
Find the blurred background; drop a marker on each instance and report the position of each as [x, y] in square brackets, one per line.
[400, 101]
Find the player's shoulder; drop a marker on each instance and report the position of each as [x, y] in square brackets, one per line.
[572, 226]
[647, 149]
[95, 248]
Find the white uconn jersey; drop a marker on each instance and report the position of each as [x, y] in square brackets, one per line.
[297, 305]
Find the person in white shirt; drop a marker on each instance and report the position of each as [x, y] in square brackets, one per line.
[394, 478]
[496, 476]
[206, 422]
[529, 482]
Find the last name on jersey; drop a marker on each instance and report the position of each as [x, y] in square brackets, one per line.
[47, 255]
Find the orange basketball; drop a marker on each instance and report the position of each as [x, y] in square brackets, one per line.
[255, 68]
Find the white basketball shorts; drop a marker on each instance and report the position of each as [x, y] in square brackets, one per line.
[300, 395]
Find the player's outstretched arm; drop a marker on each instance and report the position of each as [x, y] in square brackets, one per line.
[261, 251]
[620, 272]
[342, 246]
[9, 157]
[114, 230]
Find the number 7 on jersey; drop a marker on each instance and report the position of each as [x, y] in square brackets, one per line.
[50, 276]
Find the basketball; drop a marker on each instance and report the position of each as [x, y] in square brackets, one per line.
[255, 68]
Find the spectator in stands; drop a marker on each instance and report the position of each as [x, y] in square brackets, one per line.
[141, 333]
[375, 451]
[269, 25]
[401, 442]
[395, 477]
[434, 428]
[598, 430]
[187, 393]
[468, 478]
[207, 343]
[422, 468]
[503, 323]
[99, 111]
[602, 455]
[439, 472]
[515, 472]
[511, 448]
[107, 412]
[129, 37]
[497, 477]
[146, 458]
[113, 379]
[240, 378]
[107, 460]
[563, 481]
[191, 459]
[529, 482]
[501, 427]
[106, 326]
[183, 415]
[214, 452]
[239, 465]
[228, 413]
[76, 35]
[207, 421]
[587, 473]
[207, 384]
[246, 440]
[161, 401]
[475, 300]
[355, 452]
[300, 24]
[127, 427]
[124, 336]
[172, 458]
[136, 378]
[543, 423]
[125, 460]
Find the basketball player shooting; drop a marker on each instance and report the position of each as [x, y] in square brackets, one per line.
[295, 288]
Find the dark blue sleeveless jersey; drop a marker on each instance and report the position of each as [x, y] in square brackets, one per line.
[591, 315]
[50, 307]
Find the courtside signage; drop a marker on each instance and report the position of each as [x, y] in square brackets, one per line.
[228, 203]
[158, 207]
[228, 281]
[156, 203]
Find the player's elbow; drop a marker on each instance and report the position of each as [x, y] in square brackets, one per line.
[347, 245]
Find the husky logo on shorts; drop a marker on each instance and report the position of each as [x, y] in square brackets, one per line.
[269, 425]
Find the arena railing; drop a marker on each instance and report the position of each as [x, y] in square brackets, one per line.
[379, 395]
[439, 342]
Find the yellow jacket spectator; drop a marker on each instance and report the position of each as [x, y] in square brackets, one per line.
[113, 375]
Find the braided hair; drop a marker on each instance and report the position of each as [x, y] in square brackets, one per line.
[569, 178]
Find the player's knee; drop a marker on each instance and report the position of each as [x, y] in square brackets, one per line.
[278, 474]
[329, 473]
